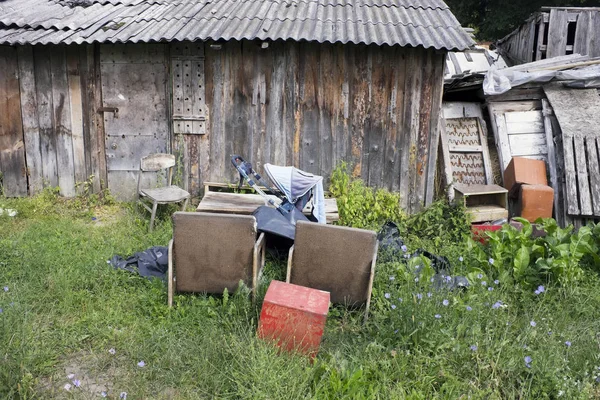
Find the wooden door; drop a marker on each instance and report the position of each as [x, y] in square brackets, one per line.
[134, 100]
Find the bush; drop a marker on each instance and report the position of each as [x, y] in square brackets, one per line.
[360, 206]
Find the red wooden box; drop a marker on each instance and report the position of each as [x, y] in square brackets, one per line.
[294, 317]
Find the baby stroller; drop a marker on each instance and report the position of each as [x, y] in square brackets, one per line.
[293, 190]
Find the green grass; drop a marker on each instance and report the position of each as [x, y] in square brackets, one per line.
[65, 308]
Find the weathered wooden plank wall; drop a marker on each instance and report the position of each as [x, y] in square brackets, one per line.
[12, 147]
[313, 105]
[49, 127]
[546, 35]
[304, 104]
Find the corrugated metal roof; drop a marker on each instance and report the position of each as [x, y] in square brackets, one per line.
[428, 23]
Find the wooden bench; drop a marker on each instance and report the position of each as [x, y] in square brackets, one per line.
[245, 203]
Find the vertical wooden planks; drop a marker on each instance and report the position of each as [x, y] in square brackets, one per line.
[43, 80]
[62, 122]
[594, 167]
[378, 113]
[290, 105]
[215, 101]
[308, 73]
[12, 147]
[408, 184]
[585, 198]
[394, 144]
[31, 131]
[325, 103]
[557, 34]
[76, 107]
[594, 35]
[552, 160]
[570, 175]
[275, 108]
[541, 32]
[437, 85]
[581, 33]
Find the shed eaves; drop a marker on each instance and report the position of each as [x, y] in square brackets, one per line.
[428, 23]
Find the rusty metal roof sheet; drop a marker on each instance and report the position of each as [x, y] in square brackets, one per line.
[428, 23]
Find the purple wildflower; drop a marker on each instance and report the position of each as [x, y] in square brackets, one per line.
[387, 295]
[448, 279]
[391, 279]
[104, 394]
[445, 302]
[112, 351]
[407, 256]
[479, 276]
[568, 344]
[549, 333]
[68, 387]
[496, 282]
[539, 290]
[532, 323]
[419, 296]
[404, 248]
[483, 283]
[393, 308]
[528, 360]
[400, 299]
[416, 279]
[460, 259]
[490, 289]
[142, 364]
[469, 308]
[497, 305]
[70, 376]
[438, 316]
[491, 261]
[6, 288]
[473, 348]
[429, 294]
[431, 280]
[123, 395]
[1, 310]
[77, 383]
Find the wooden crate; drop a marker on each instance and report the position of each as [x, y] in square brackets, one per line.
[483, 202]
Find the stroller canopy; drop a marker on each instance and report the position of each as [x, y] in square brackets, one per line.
[292, 182]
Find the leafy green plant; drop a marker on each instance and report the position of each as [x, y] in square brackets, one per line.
[360, 206]
[520, 258]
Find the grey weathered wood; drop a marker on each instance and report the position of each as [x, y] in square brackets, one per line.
[570, 175]
[594, 168]
[76, 108]
[552, 161]
[12, 147]
[524, 122]
[31, 131]
[156, 162]
[394, 144]
[96, 125]
[557, 35]
[449, 179]
[540, 42]
[43, 81]
[411, 108]
[435, 120]
[502, 142]
[483, 133]
[62, 122]
[585, 198]
[581, 33]
[527, 145]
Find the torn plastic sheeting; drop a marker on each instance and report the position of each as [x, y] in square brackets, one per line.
[150, 263]
[501, 81]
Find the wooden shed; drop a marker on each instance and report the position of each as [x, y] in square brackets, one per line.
[88, 87]
[553, 32]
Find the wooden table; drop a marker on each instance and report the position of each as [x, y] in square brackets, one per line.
[237, 203]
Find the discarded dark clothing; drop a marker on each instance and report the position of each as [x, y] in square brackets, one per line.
[391, 244]
[392, 249]
[150, 263]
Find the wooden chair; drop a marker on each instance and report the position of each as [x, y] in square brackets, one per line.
[337, 259]
[213, 252]
[162, 195]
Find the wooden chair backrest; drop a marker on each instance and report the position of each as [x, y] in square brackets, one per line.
[157, 162]
[334, 258]
[212, 252]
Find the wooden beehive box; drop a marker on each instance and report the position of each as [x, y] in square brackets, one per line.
[483, 202]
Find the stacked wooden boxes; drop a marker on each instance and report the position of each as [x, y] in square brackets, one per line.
[530, 195]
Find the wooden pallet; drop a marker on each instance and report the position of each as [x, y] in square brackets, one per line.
[578, 114]
[246, 203]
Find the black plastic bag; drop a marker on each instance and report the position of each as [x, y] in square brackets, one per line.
[150, 263]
